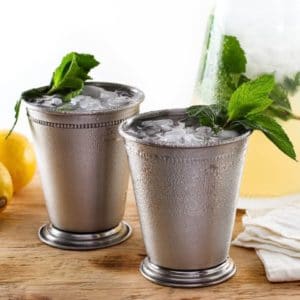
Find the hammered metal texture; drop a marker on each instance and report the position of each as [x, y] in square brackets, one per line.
[186, 199]
[83, 165]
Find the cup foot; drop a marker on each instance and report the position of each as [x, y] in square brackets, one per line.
[55, 237]
[187, 279]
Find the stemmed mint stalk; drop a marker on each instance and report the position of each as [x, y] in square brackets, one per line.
[242, 103]
[67, 81]
[247, 109]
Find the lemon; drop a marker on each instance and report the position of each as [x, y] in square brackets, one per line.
[17, 155]
[6, 187]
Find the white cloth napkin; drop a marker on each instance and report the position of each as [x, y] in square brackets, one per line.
[275, 234]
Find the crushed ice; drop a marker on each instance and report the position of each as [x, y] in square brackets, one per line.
[92, 98]
[172, 132]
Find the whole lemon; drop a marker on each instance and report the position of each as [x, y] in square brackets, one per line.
[17, 155]
[6, 187]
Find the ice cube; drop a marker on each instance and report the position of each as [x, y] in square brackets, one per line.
[123, 93]
[151, 131]
[56, 101]
[173, 132]
[66, 107]
[92, 98]
[204, 131]
[137, 133]
[118, 101]
[76, 99]
[154, 123]
[107, 95]
[156, 128]
[227, 134]
[89, 104]
[92, 91]
[174, 135]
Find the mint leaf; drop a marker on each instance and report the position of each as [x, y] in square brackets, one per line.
[206, 115]
[251, 98]
[17, 109]
[291, 84]
[219, 78]
[297, 78]
[33, 94]
[232, 64]
[281, 106]
[279, 95]
[272, 130]
[86, 62]
[242, 103]
[280, 112]
[242, 79]
[68, 79]
[233, 57]
[223, 89]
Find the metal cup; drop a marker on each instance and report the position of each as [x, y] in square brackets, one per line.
[84, 172]
[186, 198]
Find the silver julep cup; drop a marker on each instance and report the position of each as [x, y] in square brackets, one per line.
[84, 173]
[186, 198]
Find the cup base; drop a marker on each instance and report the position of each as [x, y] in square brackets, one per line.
[190, 278]
[57, 238]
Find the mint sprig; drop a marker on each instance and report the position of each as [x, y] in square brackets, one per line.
[206, 116]
[17, 108]
[241, 102]
[292, 84]
[231, 66]
[251, 98]
[272, 131]
[281, 106]
[230, 74]
[69, 77]
[246, 109]
[233, 58]
[67, 81]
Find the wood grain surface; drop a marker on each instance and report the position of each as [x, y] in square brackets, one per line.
[31, 270]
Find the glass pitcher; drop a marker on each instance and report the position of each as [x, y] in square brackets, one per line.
[257, 37]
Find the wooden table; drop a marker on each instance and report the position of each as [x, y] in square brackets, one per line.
[31, 270]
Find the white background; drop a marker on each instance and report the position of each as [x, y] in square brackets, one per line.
[154, 45]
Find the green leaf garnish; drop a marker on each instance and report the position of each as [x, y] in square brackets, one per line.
[273, 131]
[33, 94]
[205, 115]
[244, 103]
[231, 74]
[247, 104]
[233, 57]
[281, 106]
[291, 84]
[232, 64]
[251, 98]
[246, 109]
[67, 81]
[17, 109]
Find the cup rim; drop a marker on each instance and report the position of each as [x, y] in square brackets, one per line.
[169, 112]
[140, 96]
